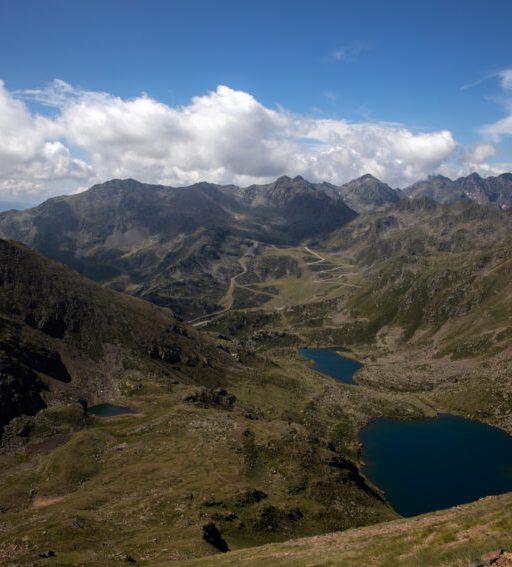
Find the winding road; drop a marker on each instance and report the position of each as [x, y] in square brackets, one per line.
[334, 277]
[228, 299]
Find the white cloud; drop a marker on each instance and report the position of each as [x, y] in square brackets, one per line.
[224, 136]
[506, 79]
[503, 127]
[349, 52]
[479, 153]
[475, 158]
[498, 129]
[30, 154]
[484, 169]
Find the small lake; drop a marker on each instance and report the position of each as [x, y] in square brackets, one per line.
[427, 464]
[436, 463]
[329, 362]
[108, 410]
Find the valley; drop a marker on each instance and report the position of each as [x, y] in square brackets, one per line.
[201, 303]
[274, 278]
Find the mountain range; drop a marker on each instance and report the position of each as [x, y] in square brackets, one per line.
[180, 247]
[493, 191]
[185, 307]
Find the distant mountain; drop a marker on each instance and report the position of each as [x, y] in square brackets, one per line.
[65, 338]
[415, 228]
[178, 247]
[367, 193]
[438, 188]
[296, 207]
[430, 265]
[494, 191]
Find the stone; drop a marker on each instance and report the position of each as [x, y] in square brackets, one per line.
[212, 535]
[211, 501]
[492, 556]
[250, 496]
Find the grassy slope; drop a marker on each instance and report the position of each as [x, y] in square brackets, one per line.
[431, 313]
[303, 419]
[454, 537]
[147, 482]
[144, 484]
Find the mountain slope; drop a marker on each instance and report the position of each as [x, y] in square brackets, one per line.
[493, 191]
[428, 266]
[177, 247]
[367, 193]
[449, 538]
[213, 435]
[64, 338]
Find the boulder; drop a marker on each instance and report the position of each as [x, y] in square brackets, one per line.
[212, 535]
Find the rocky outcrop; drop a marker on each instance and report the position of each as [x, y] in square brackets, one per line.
[212, 535]
[206, 397]
[493, 191]
[250, 496]
[63, 337]
[367, 193]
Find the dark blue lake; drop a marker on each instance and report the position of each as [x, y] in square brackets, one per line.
[108, 410]
[328, 361]
[436, 463]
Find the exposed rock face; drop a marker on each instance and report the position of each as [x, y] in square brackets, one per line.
[170, 354]
[497, 557]
[177, 247]
[367, 193]
[58, 330]
[25, 369]
[438, 188]
[306, 209]
[494, 191]
[204, 397]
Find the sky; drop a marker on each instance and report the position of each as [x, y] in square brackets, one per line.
[180, 91]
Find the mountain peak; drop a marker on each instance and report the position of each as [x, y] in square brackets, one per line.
[438, 177]
[367, 193]
[282, 179]
[368, 177]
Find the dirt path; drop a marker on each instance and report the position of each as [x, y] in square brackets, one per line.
[333, 277]
[44, 501]
[320, 258]
[228, 298]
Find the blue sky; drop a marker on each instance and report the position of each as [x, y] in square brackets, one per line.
[430, 66]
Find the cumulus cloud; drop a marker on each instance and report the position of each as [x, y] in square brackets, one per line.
[475, 158]
[224, 136]
[503, 127]
[497, 130]
[479, 153]
[30, 153]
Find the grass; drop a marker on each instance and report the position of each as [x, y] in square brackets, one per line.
[432, 331]
[454, 537]
[141, 484]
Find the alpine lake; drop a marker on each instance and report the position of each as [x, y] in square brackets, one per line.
[429, 464]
